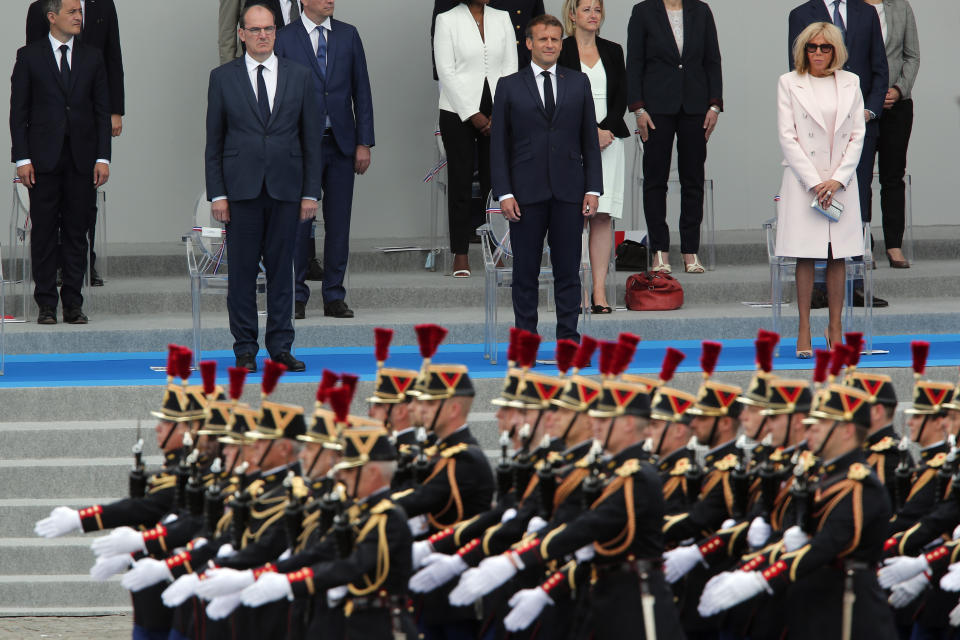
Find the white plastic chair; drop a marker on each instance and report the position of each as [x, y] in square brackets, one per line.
[206, 245]
[783, 270]
[3, 319]
[498, 273]
[436, 178]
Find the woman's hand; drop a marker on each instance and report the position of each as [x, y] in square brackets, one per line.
[825, 192]
[606, 138]
[644, 125]
[481, 123]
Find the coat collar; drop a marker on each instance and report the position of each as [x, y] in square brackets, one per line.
[802, 88]
[531, 83]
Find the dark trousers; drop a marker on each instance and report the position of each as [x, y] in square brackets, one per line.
[895, 128]
[61, 205]
[262, 227]
[337, 181]
[865, 174]
[562, 225]
[466, 148]
[691, 156]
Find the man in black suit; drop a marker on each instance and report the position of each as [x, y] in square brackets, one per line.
[60, 128]
[863, 37]
[101, 31]
[545, 170]
[521, 13]
[263, 167]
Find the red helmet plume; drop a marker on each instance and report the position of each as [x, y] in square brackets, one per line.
[709, 354]
[566, 351]
[381, 344]
[208, 371]
[271, 375]
[671, 360]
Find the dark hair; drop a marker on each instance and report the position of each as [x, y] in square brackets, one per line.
[52, 6]
[546, 20]
[251, 5]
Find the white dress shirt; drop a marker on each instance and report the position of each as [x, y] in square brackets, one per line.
[285, 10]
[56, 44]
[269, 75]
[537, 70]
[313, 31]
[843, 10]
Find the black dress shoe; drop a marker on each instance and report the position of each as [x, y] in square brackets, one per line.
[47, 315]
[818, 299]
[74, 315]
[299, 310]
[858, 300]
[337, 309]
[315, 270]
[95, 279]
[287, 360]
[247, 361]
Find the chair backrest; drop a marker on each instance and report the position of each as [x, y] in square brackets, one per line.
[206, 242]
[498, 231]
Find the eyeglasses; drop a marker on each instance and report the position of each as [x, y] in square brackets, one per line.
[255, 31]
[825, 48]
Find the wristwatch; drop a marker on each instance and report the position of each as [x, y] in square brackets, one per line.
[715, 109]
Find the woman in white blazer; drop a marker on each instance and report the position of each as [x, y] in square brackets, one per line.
[474, 46]
[821, 127]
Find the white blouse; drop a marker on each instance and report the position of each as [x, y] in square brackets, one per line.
[676, 24]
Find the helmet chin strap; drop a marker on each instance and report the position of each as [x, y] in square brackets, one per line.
[313, 464]
[356, 482]
[756, 437]
[713, 431]
[823, 444]
[923, 425]
[265, 453]
[173, 427]
[662, 436]
[433, 423]
[606, 441]
[388, 423]
[566, 432]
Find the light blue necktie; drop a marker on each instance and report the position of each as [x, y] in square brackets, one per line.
[838, 19]
[322, 52]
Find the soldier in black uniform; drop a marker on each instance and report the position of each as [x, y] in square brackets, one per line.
[882, 440]
[368, 576]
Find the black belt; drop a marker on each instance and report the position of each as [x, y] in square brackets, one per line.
[328, 131]
[362, 603]
[633, 566]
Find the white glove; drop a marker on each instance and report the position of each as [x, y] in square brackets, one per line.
[222, 606]
[225, 550]
[439, 570]
[794, 538]
[956, 532]
[146, 573]
[527, 605]
[421, 550]
[899, 569]
[585, 553]
[729, 522]
[220, 582]
[120, 540]
[758, 533]
[269, 587]
[508, 515]
[171, 517]
[418, 526]
[907, 591]
[285, 555]
[336, 595]
[739, 587]
[536, 524]
[951, 580]
[955, 616]
[196, 543]
[680, 561]
[107, 566]
[478, 582]
[60, 522]
[182, 588]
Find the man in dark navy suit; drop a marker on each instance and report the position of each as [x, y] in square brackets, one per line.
[60, 129]
[263, 175]
[863, 37]
[101, 31]
[546, 172]
[334, 53]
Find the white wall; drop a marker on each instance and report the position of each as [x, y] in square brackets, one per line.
[170, 46]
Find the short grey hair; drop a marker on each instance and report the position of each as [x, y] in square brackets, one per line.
[52, 6]
[251, 5]
[387, 468]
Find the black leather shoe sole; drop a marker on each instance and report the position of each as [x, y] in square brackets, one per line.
[338, 311]
[47, 316]
[858, 300]
[299, 311]
[248, 362]
[291, 363]
[74, 316]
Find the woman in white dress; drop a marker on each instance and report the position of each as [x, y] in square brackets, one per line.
[821, 129]
[602, 62]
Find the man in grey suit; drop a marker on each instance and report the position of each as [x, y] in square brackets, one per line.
[263, 168]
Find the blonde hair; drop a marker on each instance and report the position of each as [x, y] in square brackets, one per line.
[831, 34]
[571, 6]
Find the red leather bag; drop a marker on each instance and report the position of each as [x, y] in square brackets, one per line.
[650, 291]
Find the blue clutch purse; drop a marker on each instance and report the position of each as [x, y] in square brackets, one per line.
[832, 212]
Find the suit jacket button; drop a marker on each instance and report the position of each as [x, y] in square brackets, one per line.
[680, 67]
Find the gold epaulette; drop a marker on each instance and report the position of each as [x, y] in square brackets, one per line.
[452, 451]
[430, 451]
[858, 471]
[628, 468]
[727, 462]
[162, 482]
[884, 444]
[381, 507]
[937, 461]
[807, 459]
[683, 465]
[583, 462]
[255, 488]
[299, 487]
[777, 455]
[402, 494]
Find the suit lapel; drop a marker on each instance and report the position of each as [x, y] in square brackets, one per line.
[54, 64]
[281, 87]
[307, 44]
[661, 10]
[803, 89]
[846, 94]
[240, 67]
[332, 42]
[531, 83]
[76, 60]
[561, 92]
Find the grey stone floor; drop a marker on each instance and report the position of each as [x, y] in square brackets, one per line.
[73, 627]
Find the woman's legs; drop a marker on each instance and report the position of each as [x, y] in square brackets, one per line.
[459, 141]
[601, 241]
[804, 277]
[836, 282]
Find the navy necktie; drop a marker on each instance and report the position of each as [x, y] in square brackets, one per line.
[322, 52]
[263, 101]
[64, 65]
[838, 19]
[549, 104]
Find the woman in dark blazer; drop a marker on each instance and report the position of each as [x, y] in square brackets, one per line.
[675, 88]
[602, 61]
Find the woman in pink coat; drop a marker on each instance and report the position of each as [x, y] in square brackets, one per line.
[821, 126]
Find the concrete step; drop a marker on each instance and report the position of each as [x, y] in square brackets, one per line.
[66, 477]
[76, 590]
[20, 514]
[108, 438]
[39, 556]
[123, 614]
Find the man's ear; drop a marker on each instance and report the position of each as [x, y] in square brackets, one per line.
[529, 44]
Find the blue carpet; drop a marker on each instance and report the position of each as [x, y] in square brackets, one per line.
[134, 369]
